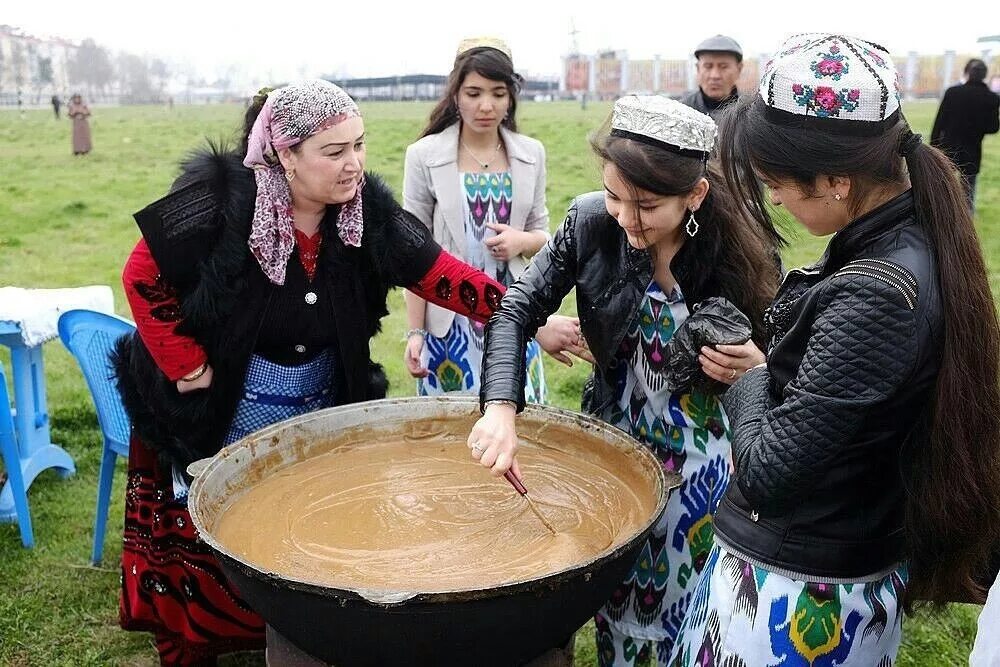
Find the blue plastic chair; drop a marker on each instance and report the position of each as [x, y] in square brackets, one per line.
[8, 449]
[90, 337]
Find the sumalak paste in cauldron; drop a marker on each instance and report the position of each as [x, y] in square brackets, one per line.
[413, 511]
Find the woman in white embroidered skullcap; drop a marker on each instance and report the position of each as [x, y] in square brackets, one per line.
[649, 257]
[867, 448]
[256, 289]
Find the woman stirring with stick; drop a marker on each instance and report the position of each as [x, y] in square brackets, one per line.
[662, 238]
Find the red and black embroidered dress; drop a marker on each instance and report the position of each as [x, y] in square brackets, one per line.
[213, 304]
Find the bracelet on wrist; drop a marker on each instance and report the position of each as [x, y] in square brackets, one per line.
[194, 375]
[500, 401]
[414, 332]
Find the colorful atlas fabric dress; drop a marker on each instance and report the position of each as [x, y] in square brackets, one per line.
[455, 361]
[689, 434]
[171, 578]
[756, 617]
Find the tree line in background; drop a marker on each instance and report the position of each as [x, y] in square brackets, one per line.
[32, 69]
[131, 76]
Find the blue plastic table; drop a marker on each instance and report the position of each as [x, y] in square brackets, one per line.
[31, 423]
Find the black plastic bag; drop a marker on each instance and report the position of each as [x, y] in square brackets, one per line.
[715, 321]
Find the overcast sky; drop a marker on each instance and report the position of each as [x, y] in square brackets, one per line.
[285, 39]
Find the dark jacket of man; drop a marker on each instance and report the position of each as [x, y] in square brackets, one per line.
[967, 112]
[698, 101]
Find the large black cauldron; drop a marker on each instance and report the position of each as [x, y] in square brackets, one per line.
[504, 626]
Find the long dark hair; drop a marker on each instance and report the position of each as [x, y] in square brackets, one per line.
[730, 249]
[488, 63]
[952, 467]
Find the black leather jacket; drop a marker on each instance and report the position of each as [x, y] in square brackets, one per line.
[820, 436]
[589, 251]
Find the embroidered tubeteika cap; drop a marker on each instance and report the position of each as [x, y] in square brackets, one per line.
[720, 44]
[833, 82]
[664, 122]
[484, 43]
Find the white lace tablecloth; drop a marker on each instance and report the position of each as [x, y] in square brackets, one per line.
[37, 311]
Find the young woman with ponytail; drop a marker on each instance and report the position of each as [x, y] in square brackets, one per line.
[867, 448]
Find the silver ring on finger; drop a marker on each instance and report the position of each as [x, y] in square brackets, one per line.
[476, 447]
[732, 374]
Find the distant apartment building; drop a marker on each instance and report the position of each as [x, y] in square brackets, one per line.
[33, 68]
[608, 74]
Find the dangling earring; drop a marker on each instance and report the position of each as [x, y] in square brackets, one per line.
[691, 227]
[289, 175]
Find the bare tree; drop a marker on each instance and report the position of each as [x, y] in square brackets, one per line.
[91, 66]
[133, 79]
[159, 72]
[18, 62]
[43, 76]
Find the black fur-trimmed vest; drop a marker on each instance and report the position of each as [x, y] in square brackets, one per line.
[198, 236]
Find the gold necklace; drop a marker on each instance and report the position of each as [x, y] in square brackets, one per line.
[484, 165]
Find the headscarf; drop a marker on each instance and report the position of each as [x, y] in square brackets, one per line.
[291, 115]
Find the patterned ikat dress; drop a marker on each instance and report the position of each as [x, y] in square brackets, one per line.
[745, 615]
[455, 361]
[689, 434]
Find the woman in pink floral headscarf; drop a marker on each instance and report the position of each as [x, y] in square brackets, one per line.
[256, 288]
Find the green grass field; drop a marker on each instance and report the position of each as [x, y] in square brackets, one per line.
[66, 221]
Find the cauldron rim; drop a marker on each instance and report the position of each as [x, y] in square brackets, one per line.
[390, 599]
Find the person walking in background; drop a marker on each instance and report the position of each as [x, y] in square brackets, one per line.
[78, 113]
[968, 111]
[56, 105]
[479, 186]
[719, 65]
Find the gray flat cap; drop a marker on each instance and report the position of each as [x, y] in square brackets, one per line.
[720, 43]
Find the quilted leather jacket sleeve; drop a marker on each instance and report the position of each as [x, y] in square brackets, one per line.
[528, 302]
[861, 349]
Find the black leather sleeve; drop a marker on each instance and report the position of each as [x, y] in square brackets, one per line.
[528, 302]
[862, 348]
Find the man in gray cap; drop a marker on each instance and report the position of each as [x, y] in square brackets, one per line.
[720, 62]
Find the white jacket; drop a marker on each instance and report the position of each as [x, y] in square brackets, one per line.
[431, 192]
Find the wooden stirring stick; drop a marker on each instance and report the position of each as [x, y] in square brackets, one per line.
[519, 487]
